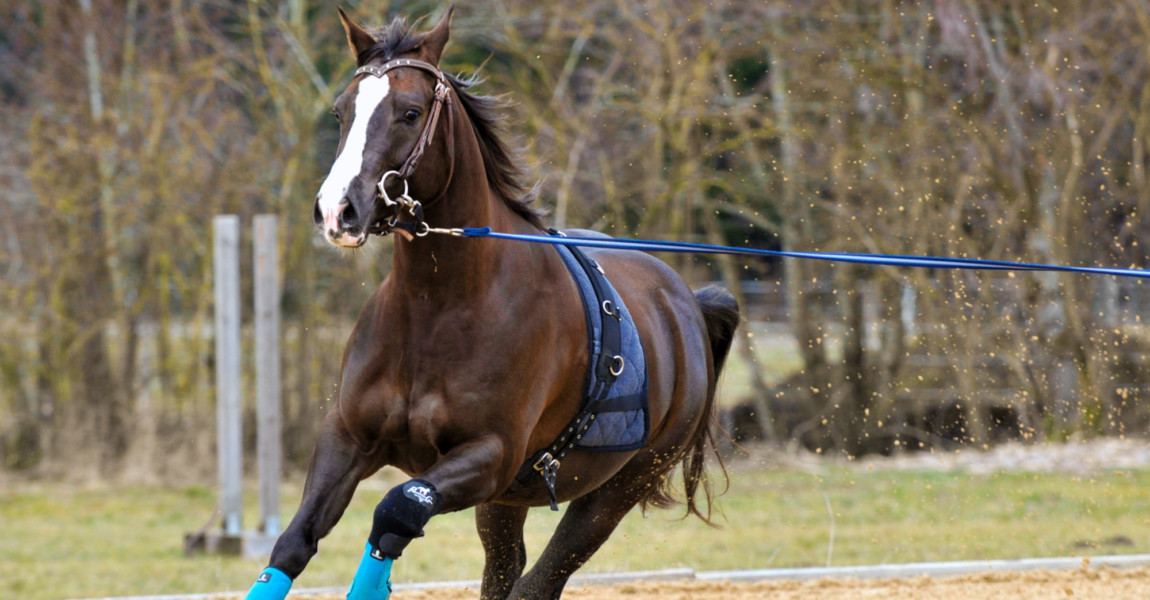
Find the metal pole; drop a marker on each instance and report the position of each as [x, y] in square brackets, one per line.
[267, 323]
[229, 418]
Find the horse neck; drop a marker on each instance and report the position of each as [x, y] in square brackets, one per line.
[452, 267]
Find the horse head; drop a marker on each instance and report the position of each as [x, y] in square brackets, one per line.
[388, 116]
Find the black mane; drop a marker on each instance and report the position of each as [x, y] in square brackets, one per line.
[391, 40]
[503, 165]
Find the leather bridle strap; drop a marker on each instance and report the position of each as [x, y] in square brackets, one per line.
[442, 97]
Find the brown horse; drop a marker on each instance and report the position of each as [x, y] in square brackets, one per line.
[471, 358]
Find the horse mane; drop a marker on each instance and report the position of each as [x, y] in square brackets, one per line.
[505, 172]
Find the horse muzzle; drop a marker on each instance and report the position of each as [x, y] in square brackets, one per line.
[342, 224]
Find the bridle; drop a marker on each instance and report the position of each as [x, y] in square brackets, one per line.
[405, 202]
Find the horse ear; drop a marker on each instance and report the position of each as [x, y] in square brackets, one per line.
[357, 39]
[434, 40]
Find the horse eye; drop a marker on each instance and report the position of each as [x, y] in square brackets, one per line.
[411, 115]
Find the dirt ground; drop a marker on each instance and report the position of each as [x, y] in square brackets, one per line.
[1103, 583]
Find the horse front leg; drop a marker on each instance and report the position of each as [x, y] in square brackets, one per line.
[336, 469]
[462, 478]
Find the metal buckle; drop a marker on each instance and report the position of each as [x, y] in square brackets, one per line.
[548, 467]
[546, 462]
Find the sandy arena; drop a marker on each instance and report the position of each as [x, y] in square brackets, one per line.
[1103, 583]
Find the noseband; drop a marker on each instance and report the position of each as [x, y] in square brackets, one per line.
[404, 201]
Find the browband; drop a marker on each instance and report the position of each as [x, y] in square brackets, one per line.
[381, 70]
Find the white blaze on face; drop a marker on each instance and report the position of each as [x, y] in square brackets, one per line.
[372, 91]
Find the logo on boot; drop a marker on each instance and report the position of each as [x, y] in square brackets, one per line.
[264, 578]
[419, 493]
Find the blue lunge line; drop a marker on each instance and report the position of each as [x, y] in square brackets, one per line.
[896, 260]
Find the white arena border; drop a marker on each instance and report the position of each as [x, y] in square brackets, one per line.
[904, 570]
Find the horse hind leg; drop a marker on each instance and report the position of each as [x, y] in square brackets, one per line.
[501, 531]
[336, 470]
[585, 526]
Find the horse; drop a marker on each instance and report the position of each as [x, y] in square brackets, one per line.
[469, 363]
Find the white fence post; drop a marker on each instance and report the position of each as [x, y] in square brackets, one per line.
[267, 332]
[229, 415]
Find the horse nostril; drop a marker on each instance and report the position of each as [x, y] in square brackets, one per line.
[317, 214]
[348, 217]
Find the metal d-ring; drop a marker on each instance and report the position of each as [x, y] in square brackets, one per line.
[387, 201]
[612, 311]
[422, 229]
[617, 365]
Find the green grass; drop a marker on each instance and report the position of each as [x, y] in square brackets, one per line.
[66, 542]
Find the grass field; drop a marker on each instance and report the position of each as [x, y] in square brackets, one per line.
[67, 542]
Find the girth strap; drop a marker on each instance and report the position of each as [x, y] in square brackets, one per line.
[610, 364]
[607, 369]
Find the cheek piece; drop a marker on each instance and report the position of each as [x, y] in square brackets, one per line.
[399, 518]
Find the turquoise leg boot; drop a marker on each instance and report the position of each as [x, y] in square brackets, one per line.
[372, 578]
[272, 584]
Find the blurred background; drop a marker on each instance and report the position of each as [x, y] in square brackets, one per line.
[995, 129]
[1004, 130]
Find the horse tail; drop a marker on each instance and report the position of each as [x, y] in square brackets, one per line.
[721, 317]
[721, 314]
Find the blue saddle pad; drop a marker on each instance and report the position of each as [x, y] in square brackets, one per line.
[618, 401]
